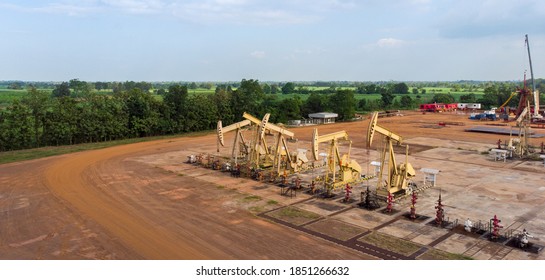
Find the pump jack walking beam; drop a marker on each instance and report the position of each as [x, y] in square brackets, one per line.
[239, 137]
[280, 141]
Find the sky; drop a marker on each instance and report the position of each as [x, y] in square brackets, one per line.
[282, 40]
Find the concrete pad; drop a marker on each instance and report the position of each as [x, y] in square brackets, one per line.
[364, 218]
[517, 254]
[488, 250]
[457, 244]
[336, 228]
[401, 228]
[322, 207]
[429, 234]
[472, 185]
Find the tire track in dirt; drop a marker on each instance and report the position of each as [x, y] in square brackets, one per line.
[64, 178]
[112, 190]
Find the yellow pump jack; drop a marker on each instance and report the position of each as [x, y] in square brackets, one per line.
[349, 171]
[397, 182]
[240, 147]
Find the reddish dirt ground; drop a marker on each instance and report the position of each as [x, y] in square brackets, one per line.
[101, 205]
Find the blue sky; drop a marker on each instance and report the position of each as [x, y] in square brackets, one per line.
[284, 40]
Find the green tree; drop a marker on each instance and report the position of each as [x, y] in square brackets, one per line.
[468, 98]
[176, 105]
[61, 90]
[387, 98]
[61, 122]
[80, 88]
[361, 89]
[343, 103]
[247, 98]
[15, 85]
[315, 103]
[456, 88]
[290, 109]
[400, 88]
[207, 85]
[371, 88]
[202, 114]
[37, 101]
[443, 98]
[16, 127]
[270, 105]
[288, 88]
[222, 102]
[142, 114]
[266, 89]
[406, 101]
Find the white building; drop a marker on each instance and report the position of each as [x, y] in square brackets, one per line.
[323, 117]
[469, 106]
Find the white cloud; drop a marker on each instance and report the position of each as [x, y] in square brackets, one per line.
[258, 54]
[390, 42]
[71, 10]
[257, 12]
[136, 6]
[239, 12]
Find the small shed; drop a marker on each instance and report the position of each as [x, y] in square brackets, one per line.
[323, 117]
[430, 176]
[376, 164]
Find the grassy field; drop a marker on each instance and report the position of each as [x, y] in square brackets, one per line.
[20, 155]
[8, 95]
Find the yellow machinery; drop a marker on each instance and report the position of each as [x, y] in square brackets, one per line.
[257, 153]
[280, 157]
[240, 147]
[349, 171]
[399, 175]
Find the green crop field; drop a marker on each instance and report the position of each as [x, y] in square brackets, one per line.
[8, 95]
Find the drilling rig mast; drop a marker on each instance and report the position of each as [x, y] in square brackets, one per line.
[535, 92]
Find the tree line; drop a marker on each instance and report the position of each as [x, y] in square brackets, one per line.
[77, 112]
[73, 113]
